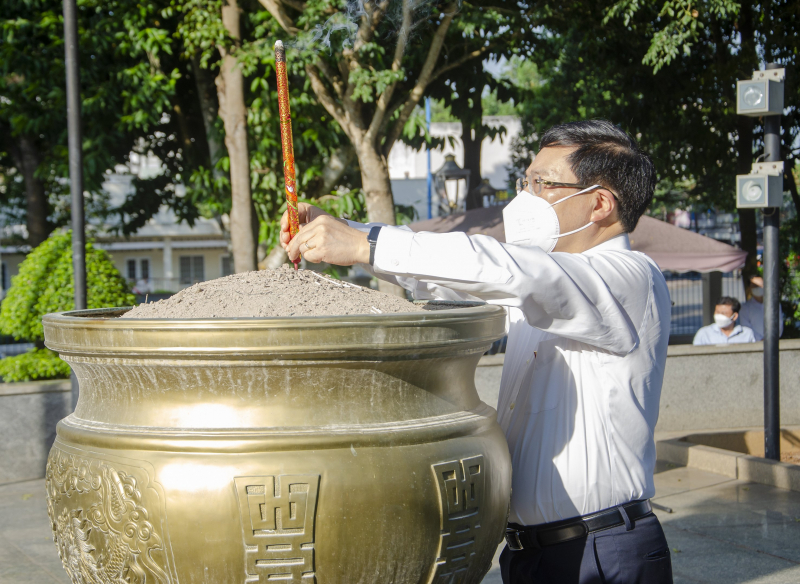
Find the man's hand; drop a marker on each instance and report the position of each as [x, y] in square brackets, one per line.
[328, 239]
[305, 214]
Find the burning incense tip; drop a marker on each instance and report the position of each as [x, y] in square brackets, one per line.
[285, 116]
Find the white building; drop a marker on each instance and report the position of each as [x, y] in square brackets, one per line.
[166, 255]
[408, 168]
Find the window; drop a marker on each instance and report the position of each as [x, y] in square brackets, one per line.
[192, 269]
[138, 269]
[227, 265]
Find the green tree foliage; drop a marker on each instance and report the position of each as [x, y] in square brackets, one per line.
[370, 64]
[148, 73]
[680, 104]
[126, 90]
[322, 154]
[44, 285]
[678, 115]
[731, 39]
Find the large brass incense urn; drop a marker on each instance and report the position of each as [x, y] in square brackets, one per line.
[330, 450]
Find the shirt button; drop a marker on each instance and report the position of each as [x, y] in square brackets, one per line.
[395, 262]
[511, 407]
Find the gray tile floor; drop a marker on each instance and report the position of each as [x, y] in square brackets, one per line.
[721, 531]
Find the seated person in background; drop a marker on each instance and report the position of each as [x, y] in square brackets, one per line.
[752, 313]
[725, 330]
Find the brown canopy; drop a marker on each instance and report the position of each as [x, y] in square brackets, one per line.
[672, 248]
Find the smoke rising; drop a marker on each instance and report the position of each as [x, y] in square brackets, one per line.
[347, 22]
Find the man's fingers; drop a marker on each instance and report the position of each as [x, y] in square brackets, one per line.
[296, 247]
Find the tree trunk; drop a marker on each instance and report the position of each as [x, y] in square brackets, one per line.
[472, 154]
[376, 184]
[378, 194]
[37, 206]
[232, 110]
[206, 93]
[338, 163]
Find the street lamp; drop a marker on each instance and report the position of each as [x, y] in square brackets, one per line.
[763, 188]
[452, 185]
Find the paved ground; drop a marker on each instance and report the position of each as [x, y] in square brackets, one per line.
[721, 531]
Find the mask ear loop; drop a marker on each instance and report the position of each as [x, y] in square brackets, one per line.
[589, 224]
[591, 188]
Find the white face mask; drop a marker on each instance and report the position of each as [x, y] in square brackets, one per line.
[530, 220]
[723, 321]
[757, 292]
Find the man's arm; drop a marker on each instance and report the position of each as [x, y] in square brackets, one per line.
[419, 290]
[600, 301]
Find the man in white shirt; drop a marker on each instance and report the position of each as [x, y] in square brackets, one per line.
[752, 313]
[725, 330]
[586, 350]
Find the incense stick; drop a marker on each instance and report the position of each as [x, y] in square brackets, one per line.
[285, 116]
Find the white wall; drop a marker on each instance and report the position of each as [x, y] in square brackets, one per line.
[406, 163]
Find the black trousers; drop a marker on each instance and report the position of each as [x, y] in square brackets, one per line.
[633, 554]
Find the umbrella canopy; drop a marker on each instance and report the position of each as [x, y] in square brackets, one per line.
[672, 248]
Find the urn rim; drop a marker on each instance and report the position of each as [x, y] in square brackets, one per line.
[97, 333]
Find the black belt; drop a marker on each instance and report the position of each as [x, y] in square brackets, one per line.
[521, 537]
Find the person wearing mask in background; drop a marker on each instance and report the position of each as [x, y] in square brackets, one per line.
[587, 348]
[725, 329]
[752, 313]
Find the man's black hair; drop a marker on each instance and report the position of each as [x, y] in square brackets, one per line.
[609, 157]
[735, 305]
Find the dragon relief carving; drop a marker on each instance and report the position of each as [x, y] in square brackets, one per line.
[103, 532]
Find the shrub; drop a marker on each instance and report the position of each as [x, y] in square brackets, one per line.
[44, 284]
[35, 364]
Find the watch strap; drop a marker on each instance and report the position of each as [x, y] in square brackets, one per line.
[372, 237]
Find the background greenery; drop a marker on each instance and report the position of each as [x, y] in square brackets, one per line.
[664, 70]
[44, 285]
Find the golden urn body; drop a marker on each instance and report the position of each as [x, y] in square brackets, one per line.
[335, 450]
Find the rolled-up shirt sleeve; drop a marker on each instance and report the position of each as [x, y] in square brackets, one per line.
[562, 293]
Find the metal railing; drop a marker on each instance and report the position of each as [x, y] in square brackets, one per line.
[10, 347]
[686, 292]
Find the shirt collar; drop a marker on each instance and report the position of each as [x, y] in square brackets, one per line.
[619, 242]
[737, 328]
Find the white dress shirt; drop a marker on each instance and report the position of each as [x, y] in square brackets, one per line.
[752, 315]
[584, 365]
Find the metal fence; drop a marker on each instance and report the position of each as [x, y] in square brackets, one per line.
[9, 347]
[686, 292]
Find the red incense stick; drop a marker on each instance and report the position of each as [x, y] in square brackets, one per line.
[285, 116]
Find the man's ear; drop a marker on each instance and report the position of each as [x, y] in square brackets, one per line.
[604, 206]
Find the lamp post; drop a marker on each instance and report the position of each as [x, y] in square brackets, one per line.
[452, 185]
[763, 188]
[74, 138]
[428, 155]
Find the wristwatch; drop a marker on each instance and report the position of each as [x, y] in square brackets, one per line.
[372, 237]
